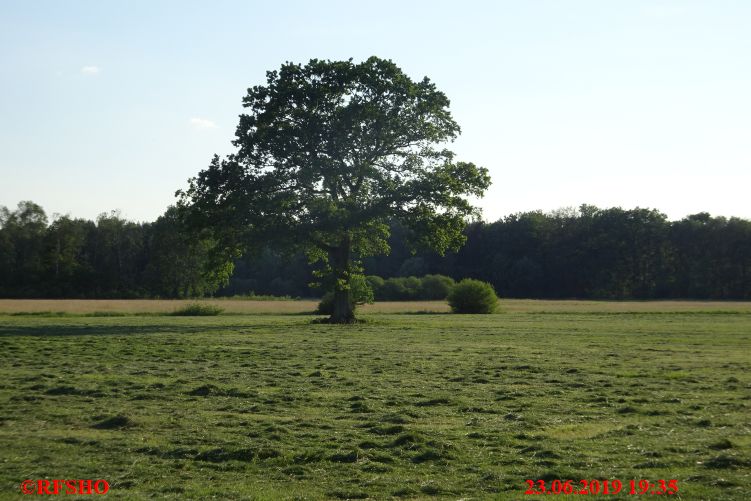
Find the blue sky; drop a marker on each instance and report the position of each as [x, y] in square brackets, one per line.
[114, 105]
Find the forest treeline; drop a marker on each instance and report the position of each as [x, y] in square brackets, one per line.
[583, 253]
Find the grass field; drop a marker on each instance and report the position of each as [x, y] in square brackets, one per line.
[403, 406]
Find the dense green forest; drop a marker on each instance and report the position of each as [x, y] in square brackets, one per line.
[583, 253]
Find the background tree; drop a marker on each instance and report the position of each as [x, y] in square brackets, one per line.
[64, 240]
[328, 154]
[179, 263]
[118, 255]
[573, 253]
[23, 245]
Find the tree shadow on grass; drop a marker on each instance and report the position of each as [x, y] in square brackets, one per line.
[127, 330]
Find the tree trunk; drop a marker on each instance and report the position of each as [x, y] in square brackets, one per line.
[344, 308]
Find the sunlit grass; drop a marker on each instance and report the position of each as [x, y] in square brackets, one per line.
[405, 406]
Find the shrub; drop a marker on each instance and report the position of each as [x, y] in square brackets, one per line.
[393, 290]
[376, 283]
[413, 286]
[326, 306]
[400, 289]
[362, 293]
[472, 296]
[252, 296]
[436, 286]
[198, 310]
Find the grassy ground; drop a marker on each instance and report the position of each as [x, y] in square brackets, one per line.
[403, 406]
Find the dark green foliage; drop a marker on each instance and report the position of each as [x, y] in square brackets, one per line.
[198, 310]
[472, 296]
[375, 283]
[428, 287]
[436, 286]
[413, 286]
[587, 253]
[612, 253]
[400, 289]
[111, 257]
[393, 289]
[180, 265]
[597, 253]
[328, 154]
[362, 293]
[326, 306]
[271, 272]
[413, 267]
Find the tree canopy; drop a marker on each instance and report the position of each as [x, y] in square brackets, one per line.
[329, 153]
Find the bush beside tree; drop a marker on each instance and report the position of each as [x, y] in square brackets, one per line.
[414, 288]
[436, 286]
[473, 296]
[376, 283]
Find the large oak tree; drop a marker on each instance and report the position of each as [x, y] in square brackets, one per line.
[328, 153]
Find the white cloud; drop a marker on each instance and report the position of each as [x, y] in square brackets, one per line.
[663, 11]
[90, 70]
[202, 123]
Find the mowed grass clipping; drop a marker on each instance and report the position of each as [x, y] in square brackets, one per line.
[402, 406]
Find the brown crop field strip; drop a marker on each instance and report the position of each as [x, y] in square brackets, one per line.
[244, 306]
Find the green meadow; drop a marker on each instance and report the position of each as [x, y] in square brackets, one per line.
[402, 406]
